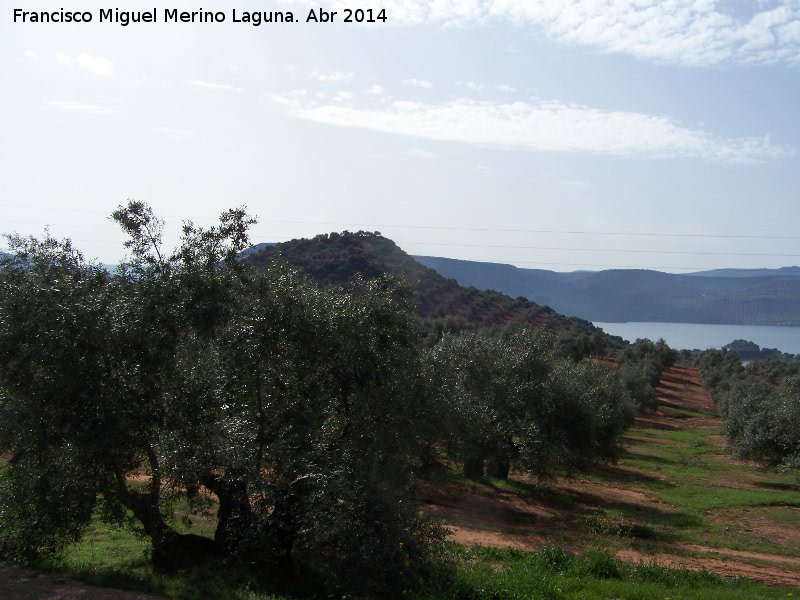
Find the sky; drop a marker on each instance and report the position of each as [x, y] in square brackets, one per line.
[562, 135]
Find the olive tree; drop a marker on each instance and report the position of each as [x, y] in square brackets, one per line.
[302, 410]
[509, 397]
[484, 383]
[325, 399]
[91, 377]
[761, 421]
[640, 367]
[578, 420]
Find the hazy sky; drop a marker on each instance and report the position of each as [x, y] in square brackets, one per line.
[547, 134]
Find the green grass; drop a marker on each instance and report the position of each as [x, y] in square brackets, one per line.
[701, 496]
[695, 495]
[499, 574]
[117, 558]
[456, 573]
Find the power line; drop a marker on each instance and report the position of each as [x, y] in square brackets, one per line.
[487, 246]
[58, 225]
[625, 251]
[466, 229]
[510, 247]
[548, 231]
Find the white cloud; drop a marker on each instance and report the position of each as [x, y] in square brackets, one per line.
[571, 183]
[506, 88]
[419, 152]
[114, 99]
[31, 55]
[290, 99]
[686, 32]
[543, 126]
[214, 86]
[332, 76]
[404, 106]
[82, 107]
[420, 83]
[375, 90]
[99, 65]
[173, 133]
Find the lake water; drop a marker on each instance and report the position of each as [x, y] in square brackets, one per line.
[690, 335]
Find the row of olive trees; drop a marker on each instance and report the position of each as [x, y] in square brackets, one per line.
[760, 419]
[773, 369]
[510, 398]
[640, 367]
[299, 413]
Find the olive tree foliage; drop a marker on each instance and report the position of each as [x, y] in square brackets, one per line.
[760, 420]
[327, 392]
[484, 384]
[585, 410]
[93, 372]
[579, 341]
[510, 399]
[719, 369]
[773, 369]
[301, 409]
[57, 396]
[640, 367]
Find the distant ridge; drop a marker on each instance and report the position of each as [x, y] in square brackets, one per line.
[337, 258]
[782, 272]
[725, 296]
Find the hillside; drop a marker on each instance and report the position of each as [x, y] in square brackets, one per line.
[335, 259]
[641, 295]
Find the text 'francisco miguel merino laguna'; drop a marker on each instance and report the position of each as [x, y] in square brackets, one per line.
[173, 15]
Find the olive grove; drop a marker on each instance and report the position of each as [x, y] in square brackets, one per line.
[297, 415]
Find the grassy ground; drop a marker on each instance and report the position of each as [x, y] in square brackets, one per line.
[554, 575]
[460, 573]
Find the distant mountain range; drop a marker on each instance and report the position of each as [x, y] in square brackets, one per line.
[443, 304]
[783, 271]
[724, 296]
[493, 293]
